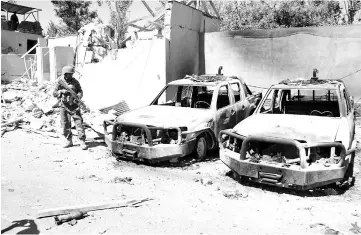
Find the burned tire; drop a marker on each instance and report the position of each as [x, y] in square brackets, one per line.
[200, 149]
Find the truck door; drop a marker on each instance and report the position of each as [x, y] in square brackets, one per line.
[225, 114]
[242, 105]
[349, 116]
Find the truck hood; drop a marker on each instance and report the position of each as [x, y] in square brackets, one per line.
[298, 127]
[168, 116]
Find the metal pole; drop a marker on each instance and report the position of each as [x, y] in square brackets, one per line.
[37, 14]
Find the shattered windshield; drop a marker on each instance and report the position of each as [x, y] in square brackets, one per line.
[186, 96]
[315, 102]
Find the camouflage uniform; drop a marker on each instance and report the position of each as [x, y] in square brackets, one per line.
[68, 109]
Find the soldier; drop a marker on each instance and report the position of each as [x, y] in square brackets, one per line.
[69, 108]
[14, 21]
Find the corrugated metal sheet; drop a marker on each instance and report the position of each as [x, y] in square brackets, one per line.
[120, 108]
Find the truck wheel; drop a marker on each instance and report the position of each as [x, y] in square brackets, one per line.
[349, 178]
[200, 149]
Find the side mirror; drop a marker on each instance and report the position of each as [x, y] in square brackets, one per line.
[352, 101]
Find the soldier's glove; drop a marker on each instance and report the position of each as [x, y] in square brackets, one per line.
[62, 92]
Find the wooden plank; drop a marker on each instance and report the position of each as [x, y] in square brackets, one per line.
[11, 122]
[49, 134]
[139, 27]
[190, 2]
[138, 19]
[148, 8]
[89, 207]
[204, 4]
[156, 24]
[214, 9]
[156, 17]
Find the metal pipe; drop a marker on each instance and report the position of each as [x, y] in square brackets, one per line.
[229, 134]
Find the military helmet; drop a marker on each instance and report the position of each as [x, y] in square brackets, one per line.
[67, 69]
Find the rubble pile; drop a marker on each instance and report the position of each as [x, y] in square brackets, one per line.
[34, 107]
[23, 99]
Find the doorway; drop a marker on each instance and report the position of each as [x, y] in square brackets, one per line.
[30, 44]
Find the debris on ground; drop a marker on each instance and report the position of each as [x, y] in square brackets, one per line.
[206, 181]
[355, 228]
[72, 217]
[89, 207]
[118, 179]
[234, 194]
[33, 106]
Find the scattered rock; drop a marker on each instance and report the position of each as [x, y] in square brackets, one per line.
[206, 181]
[36, 123]
[118, 179]
[103, 231]
[73, 222]
[37, 113]
[330, 231]
[11, 96]
[355, 228]
[28, 105]
[234, 194]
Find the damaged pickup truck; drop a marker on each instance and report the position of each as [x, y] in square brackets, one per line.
[300, 136]
[184, 118]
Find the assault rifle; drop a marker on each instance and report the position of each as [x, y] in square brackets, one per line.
[73, 95]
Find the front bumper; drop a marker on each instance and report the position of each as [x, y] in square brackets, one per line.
[149, 151]
[302, 177]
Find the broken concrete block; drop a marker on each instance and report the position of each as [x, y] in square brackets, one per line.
[28, 105]
[47, 106]
[36, 123]
[9, 95]
[206, 181]
[37, 113]
[234, 194]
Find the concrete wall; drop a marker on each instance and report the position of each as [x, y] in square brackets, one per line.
[63, 41]
[265, 57]
[17, 40]
[43, 64]
[137, 76]
[12, 66]
[184, 26]
[59, 57]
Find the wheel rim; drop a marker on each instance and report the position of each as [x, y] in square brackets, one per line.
[201, 146]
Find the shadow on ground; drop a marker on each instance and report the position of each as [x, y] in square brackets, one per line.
[30, 227]
[94, 144]
[183, 162]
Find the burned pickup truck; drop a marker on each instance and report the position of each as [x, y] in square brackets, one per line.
[184, 118]
[301, 136]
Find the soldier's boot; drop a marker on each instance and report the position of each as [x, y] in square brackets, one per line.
[68, 143]
[83, 146]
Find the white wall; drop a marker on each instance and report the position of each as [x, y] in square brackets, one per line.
[43, 64]
[59, 57]
[63, 41]
[17, 40]
[137, 76]
[12, 66]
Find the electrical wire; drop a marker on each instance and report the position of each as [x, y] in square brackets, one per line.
[350, 74]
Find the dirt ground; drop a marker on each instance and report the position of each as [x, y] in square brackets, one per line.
[188, 197]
